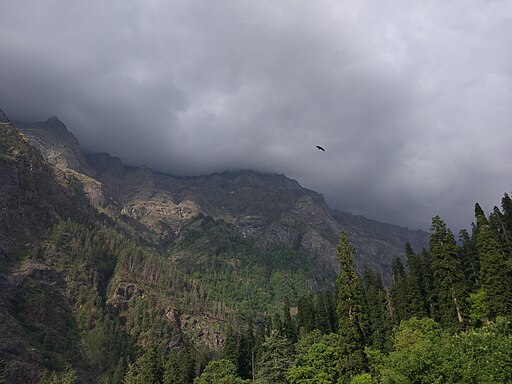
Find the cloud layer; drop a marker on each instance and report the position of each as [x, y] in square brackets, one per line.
[412, 100]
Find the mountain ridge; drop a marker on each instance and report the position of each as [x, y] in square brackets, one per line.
[265, 204]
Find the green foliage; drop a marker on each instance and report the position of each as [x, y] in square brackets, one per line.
[478, 313]
[364, 378]
[235, 272]
[219, 372]
[275, 359]
[351, 316]
[179, 367]
[147, 369]
[68, 376]
[317, 360]
[417, 303]
[495, 276]
[450, 290]
[423, 353]
[379, 328]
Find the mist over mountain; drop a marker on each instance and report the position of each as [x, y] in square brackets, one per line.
[103, 264]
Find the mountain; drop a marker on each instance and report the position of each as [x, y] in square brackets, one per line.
[81, 265]
[271, 210]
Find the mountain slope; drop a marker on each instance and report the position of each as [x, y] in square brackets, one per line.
[162, 259]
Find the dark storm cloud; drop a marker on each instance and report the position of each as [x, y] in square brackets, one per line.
[411, 100]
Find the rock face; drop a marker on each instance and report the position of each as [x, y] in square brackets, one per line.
[269, 209]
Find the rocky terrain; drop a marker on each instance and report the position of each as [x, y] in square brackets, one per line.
[200, 249]
[271, 210]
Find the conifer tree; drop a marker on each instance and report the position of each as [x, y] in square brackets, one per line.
[288, 326]
[506, 206]
[306, 313]
[321, 320]
[179, 367]
[330, 304]
[493, 268]
[470, 263]
[428, 282]
[416, 300]
[379, 322]
[448, 278]
[246, 353]
[231, 344]
[275, 359]
[147, 369]
[399, 291]
[351, 315]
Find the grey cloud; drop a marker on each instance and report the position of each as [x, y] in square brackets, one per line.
[411, 100]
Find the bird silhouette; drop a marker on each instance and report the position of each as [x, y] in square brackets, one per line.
[320, 148]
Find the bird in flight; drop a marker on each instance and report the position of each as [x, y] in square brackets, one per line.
[320, 148]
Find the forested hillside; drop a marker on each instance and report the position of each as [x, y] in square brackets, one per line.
[114, 274]
[445, 319]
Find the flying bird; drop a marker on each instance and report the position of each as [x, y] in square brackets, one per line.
[320, 148]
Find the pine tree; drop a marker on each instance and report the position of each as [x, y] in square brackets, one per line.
[231, 344]
[147, 369]
[246, 353]
[275, 360]
[399, 291]
[506, 206]
[469, 260]
[493, 267]
[306, 313]
[449, 286]
[179, 367]
[350, 309]
[379, 322]
[416, 302]
[321, 320]
[288, 326]
[428, 282]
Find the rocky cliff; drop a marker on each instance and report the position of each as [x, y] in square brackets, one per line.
[271, 210]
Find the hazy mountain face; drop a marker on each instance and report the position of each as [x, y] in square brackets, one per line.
[213, 246]
[270, 210]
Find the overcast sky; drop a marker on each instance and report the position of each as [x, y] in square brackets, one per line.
[412, 100]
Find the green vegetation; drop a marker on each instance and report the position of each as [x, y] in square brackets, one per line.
[85, 303]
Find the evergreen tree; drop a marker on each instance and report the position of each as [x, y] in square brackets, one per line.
[506, 206]
[416, 300]
[246, 353]
[288, 326]
[147, 369]
[379, 322]
[493, 268]
[428, 282]
[275, 360]
[330, 305]
[179, 367]
[231, 344]
[321, 320]
[119, 372]
[448, 278]
[306, 313]
[469, 260]
[399, 291]
[350, 309]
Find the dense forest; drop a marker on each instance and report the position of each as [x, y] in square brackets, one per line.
[445, 319]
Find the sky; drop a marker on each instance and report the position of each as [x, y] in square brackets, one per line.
[412, 100]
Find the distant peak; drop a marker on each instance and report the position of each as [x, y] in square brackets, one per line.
[55, 124]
